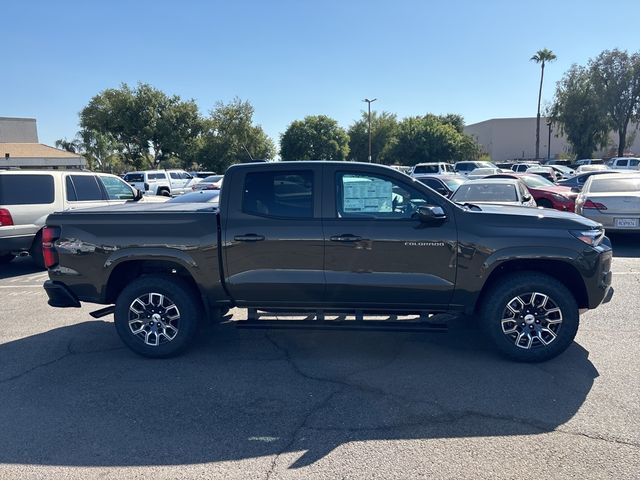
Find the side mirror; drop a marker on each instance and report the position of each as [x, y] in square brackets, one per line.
[137, 195]
[526, 198]
[430, 214]
[576, 189]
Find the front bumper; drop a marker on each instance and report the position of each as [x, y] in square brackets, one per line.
[59, 295]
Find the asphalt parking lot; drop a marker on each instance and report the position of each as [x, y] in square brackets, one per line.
[75, 403]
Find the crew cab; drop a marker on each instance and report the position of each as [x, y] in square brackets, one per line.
[326, 237]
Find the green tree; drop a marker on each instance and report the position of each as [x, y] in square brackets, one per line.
[384, 127]
[429, 139]
[542, 57]
[576, 111]
[100, 150]
[230, 136]
[615, 76]
[147, 125]
[317, 137]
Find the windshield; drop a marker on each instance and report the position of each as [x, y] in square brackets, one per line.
[607, 184]
[536, 181]
[486, 192]
[453, 183]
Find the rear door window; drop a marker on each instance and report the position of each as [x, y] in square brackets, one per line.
[26, 189]
[279, 194]
[83, 188]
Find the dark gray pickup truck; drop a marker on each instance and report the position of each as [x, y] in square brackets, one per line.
[330, 237]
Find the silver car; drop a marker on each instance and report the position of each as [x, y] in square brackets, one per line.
[612, 200]
[497, 191]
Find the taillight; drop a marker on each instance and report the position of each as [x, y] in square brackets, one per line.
[594, 205]
[49, 252]
[5, 218]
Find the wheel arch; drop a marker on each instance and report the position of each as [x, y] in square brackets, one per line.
[562, 271]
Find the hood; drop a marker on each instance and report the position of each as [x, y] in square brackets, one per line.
[527, 217]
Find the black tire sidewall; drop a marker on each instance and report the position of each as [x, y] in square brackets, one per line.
[514, 285]
[175, 289]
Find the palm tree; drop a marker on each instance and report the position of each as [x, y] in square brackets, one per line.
[542, 56]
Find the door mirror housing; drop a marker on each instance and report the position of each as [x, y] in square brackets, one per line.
[576, 189]
[430, 214]
[137, 195]
[526, 198]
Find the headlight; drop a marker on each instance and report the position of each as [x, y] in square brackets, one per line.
[559, 198]
[590, 237]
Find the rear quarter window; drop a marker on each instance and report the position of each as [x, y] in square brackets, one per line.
[26, 189]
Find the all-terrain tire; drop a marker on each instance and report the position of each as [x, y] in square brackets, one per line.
[530, 316]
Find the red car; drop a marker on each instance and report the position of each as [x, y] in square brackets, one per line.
[545, 193]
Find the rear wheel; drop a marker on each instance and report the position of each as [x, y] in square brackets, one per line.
[164, 192]
[530, 317]
[157, 315]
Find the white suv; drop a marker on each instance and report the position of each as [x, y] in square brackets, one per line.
[438, 168]
[161, 182]
[624, 163]
[27, 197]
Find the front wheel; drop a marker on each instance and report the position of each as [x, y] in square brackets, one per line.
[530, 317]
[157, 315]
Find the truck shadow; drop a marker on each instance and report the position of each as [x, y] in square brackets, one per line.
[19, 266]
[74, 396]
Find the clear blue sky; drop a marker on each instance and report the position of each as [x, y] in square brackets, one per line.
[297, 58]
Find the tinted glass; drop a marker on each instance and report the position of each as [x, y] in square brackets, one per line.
[426, 169]
[134, 177]
[485, 192]
[26, 189]
[116, 188]
[279, 194]
[86, 188]
[605, 184]
[622, 163]
[453, 183]
[369, 196]
[157, 176]
[212, 179]
[634, 163]
[535, 181]
[175, 175]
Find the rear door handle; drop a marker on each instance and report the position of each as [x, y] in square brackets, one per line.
[249, 237]
[347, 237]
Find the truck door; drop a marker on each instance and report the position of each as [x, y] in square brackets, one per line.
[378, 254]
[273, 240]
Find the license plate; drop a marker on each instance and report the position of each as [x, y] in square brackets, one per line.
[626, 222]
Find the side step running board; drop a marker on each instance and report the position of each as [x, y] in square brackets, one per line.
[103, 312]
[368, 325]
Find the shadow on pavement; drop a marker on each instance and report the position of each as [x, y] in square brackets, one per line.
[19, 266]
[74, 396]
[625, 244]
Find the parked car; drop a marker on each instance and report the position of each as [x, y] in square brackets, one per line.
[612, 200]
[213, 182]
[443, 184]
[547, 173]
[545, 193]
[432, 168]
[522, 167]
[624, 163]
[563, 171]
[577, 182]
[160, 182]
[588, 161]
[559, 162]
[200, 196]
[201, 175]
[466, 167]
[592, 167]
[497, 191]
[350, 237]
[28, 196]
[483, 172]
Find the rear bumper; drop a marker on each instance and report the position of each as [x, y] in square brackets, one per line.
[21, 243]
[59, 295]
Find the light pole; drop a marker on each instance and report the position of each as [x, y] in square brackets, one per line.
[369, 102]
[549, 122]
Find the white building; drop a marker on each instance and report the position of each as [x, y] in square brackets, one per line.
[515, 139]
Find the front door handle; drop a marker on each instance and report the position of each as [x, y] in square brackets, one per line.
[249, 237]
[347, 237]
